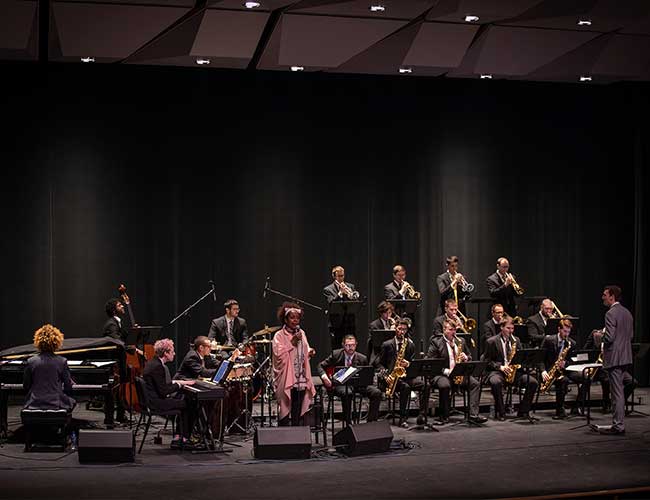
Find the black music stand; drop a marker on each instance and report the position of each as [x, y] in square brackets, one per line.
[521, 332]
[467, 369]
[404, 306]
[427, 368]
[362, 376]
[378, 337]
[587, 401]
[529, 358]
[339, 310]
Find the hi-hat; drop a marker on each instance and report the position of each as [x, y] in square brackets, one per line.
[263, 341]
[266, 330]
[216, 347]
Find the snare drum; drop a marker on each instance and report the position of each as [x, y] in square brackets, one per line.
[240, 372]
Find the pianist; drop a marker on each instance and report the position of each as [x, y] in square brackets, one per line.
[163, 391]
[198, 362]
[47, 380]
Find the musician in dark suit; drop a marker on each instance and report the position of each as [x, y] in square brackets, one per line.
[449, 347]
[491, 326]
[349, 357]
[451, 314]
[553, 346]
[229, 329]
[496, 354]
[339, 290]
[389, 353]
[536, 323]
[385, 321]
[499, 284]
[448, 282]
[47, 379]
[396, 289]
[163, 392]
[198, 362]
[617, 355]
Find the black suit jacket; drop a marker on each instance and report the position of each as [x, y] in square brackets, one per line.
[438, 325]
[502, 294]
[337, 358]
[438, 348]
[494, 353]
[331, 292]
[377, 324]
[591, 343]
[219, 328]
[447, 292]
[552, 351]
[536, 329]
[114, 330]
[490, 329]
[157, 387]
[389, 354]
[192, 367]
[391, 291]
[48, 383]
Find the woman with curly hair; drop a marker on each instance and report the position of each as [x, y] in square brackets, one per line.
[47, 380]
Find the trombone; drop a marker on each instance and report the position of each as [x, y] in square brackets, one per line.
[466, 325]
[557, 313]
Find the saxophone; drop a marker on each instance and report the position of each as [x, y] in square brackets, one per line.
[510, 376]
[555, 371]
[398, 371]
[458, 359]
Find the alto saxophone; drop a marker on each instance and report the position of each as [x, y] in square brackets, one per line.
[458, 359]
[398, 371]
[510, 375]
[555, 371]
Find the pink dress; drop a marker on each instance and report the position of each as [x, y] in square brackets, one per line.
[284, 373]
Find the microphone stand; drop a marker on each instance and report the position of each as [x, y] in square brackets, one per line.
[189, 308]
[295, 299]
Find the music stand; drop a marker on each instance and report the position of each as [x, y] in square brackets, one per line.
[528, 358]
[521, 332]
[467, 369]
[404, 306]
[426, 368]
[361, 376]
[338, 310]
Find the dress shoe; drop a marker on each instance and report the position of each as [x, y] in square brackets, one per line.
[421, 420]
[560, 414]
[403, 423]
[477, 419]
[500, 417]
[578, 411]
[444, 420]
[610, 431]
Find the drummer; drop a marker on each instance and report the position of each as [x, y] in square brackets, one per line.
[229, 329]
[199, 361]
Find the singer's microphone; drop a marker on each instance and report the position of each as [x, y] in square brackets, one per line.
[266, 286]
[214, 293]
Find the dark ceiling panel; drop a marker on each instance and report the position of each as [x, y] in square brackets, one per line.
[440, 45]
[17, 21]
[265, 5]
[519, 51]
[488, 11]
[624, 56]
[154, 3]
[329, 41]
[109, 31]
[395, 9]
[229, 34]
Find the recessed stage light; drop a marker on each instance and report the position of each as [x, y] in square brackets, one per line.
[377, 8]
[405, 71]
[251, 5]
[471, 19]
[87, 59]
[486, 77]
[585, 78]
[297, 68]
[584, 22]
[203, 61]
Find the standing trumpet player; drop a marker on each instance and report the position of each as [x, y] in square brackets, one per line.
[503, 287]
[339, 290]
[453, 285]
[399, 289]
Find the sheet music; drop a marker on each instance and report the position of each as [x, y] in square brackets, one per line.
[344, 373]
[75, 362]
[99, 364]
[579, 368]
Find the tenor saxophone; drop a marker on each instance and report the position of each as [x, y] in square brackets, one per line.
[398, 372]
[555, 371]
[458, 359]
[510, 376]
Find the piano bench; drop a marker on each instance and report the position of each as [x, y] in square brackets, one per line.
[45, 426]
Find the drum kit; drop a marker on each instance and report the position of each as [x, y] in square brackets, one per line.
[248, 380]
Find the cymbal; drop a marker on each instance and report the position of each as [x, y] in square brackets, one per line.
[216, 347]
[263, 341]
[266, 330]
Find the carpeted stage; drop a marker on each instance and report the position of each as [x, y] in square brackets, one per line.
[500, 460]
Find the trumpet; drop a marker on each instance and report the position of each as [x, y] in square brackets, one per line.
[409, 292]
[348, 292]
[518, 288]
[465, 286]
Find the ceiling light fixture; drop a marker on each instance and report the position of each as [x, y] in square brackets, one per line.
[585, 78]
[251, 5]
[471, 18]
[584, 22]
[486, 77]
[203, 61]
[405, 71]
[87, 59]
[297, 68]
[377, 8]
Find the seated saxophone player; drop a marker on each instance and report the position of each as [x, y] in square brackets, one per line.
[499, 352]
[390, 351]
[491, 326]
[500, 285]
[348, 356]
[453, 350]
[339, 290]
[453, 285]
[595, 341]
[451, 314]
[558, 349]
[385, 321]
[536, 323]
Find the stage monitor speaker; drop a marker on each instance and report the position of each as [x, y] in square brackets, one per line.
[280, 443]
[106, 446]
[363, 439]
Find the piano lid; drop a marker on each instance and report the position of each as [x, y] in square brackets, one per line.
[68, 344]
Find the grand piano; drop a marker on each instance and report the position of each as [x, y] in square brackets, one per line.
[93, 365]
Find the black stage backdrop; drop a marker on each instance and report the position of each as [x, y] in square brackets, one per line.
[165, 178]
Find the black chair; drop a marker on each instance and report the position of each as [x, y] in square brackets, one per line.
[42, 424]
[148, 413]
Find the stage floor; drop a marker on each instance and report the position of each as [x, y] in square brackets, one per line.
[498, 460]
